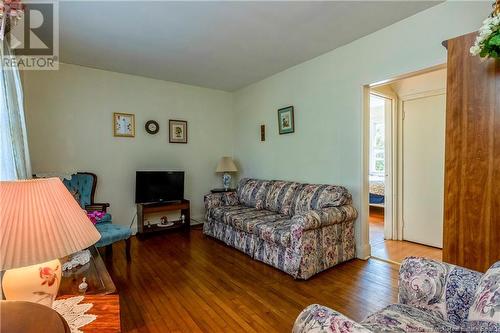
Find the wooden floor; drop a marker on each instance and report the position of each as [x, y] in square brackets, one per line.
[392, 249]
[184, 282]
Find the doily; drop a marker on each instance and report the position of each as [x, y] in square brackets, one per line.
[74, 313]
[79, 258]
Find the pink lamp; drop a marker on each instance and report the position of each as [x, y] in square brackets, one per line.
[40, 221]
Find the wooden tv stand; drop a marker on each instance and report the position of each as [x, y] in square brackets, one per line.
[159, 207]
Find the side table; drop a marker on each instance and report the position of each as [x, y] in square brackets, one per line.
[107, 310]
[221, 190]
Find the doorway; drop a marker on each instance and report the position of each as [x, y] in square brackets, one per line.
[406, 166]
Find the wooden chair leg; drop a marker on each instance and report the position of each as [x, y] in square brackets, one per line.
[109, 250]
[127, 249]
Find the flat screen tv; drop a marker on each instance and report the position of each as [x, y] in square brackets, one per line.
[159, 186]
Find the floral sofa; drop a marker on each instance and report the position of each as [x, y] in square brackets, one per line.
[433, 297]
[301, 229]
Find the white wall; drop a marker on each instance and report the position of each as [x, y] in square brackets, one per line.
[69, 119]
[327, 94]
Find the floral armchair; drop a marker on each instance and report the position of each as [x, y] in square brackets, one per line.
[82, 186]
[433, 297]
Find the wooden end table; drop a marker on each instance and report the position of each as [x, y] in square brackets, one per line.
[107, 310]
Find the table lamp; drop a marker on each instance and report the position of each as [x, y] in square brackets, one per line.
[226, 165]
[40, 222]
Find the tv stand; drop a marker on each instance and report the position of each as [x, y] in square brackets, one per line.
[143, 210]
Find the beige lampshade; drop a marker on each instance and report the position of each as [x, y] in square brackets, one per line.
[226, 164]
[40, 221]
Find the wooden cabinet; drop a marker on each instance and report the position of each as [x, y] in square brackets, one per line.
[163, 207]
[472, 158]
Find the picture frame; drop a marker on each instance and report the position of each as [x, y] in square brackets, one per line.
[286, 121]
[123, 124]
[177, 131]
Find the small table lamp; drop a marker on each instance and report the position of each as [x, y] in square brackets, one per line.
[40, 221]
[226, 165]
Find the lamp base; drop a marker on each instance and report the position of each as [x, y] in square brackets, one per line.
[226, 181]
[37, 283]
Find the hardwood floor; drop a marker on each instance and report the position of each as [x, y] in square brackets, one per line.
[395, 250]
[185, 282]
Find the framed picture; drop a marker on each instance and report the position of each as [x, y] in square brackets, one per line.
[123, 124]
[177, 131]
[286, 122]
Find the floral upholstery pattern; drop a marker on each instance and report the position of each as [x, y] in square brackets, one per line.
[230, 199]
[310, 196]
[433, 297]
[484, 314]
[253, 192]
[280, 196]
[259, 224]
[319, 319]
[405, 318]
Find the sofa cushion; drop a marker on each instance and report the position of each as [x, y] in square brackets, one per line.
[280, 195]
[218, 213]
[250, 218]
[312, 196]
[269, 226]
[405, 318]
[484, 314]
[253, 192]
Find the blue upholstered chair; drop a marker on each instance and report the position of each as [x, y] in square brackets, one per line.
[82, 185]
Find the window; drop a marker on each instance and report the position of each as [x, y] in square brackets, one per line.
[378, 107]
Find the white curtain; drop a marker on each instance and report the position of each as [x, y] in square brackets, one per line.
[14, 154]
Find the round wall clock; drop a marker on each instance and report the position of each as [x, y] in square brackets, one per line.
[152, 127]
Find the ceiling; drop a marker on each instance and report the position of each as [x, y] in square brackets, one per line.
[221, 45]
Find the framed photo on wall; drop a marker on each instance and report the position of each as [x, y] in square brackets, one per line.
[286, 122]
[124, 124]
[177, 131]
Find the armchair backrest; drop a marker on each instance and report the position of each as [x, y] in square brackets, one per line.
[443, 289]
[82, 186]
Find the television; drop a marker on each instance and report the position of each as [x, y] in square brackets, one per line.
[159, 186]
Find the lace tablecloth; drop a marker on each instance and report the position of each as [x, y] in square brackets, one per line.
[74, 313]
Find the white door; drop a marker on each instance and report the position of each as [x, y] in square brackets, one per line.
[423, 169]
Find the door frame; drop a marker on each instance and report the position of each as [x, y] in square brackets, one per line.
[400, 153]
[364, 231]
[390, 151]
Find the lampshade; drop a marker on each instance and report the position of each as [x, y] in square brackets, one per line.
[226, 164]
[40, 221]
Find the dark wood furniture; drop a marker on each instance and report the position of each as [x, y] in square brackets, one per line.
[107, 310]
[472, 160]
[162, 207]
[222, 190]
[28, 317]
[98, 279]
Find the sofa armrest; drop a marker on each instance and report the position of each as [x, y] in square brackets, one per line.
[426, 284]
[101, 207]
[213, 200]
[318, 218]
[318, 318]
